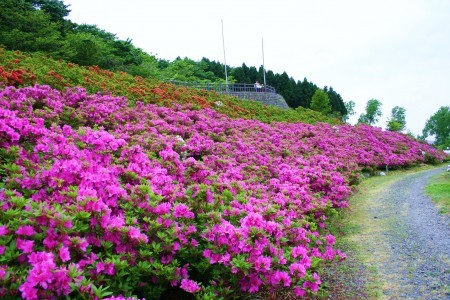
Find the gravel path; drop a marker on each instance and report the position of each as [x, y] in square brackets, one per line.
[408, 242]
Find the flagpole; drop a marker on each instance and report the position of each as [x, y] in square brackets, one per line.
[224, 59]
[264, 70]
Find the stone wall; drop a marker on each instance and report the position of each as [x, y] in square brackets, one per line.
[264, 98]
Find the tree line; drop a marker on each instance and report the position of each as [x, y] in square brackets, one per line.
[41, 25]
[438, 125]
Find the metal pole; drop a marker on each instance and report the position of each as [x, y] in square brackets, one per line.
[264, 70]
[224, 59]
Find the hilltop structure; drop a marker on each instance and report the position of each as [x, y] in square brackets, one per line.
[265, 95]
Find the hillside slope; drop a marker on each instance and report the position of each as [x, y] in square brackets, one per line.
[21, 69]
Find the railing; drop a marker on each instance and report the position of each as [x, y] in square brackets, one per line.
[226, 88]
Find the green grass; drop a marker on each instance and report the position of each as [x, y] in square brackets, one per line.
[438, 189]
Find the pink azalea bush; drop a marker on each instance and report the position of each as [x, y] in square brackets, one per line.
[102, 200]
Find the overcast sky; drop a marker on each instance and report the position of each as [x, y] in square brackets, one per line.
[396, 51]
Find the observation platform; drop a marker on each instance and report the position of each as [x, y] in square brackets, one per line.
[265, 95]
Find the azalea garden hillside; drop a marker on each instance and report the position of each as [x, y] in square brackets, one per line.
[105, 197]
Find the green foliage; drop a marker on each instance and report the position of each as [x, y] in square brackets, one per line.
[7, 166]
[336, 101]
[188, 70]
[83, 49]
[320, 102]
[393, 125]
[439, 126]
[55, 8]
[22, 27]
[439, 190]
[397, 121]
[350, 108]
[373, 111]
[245, 74]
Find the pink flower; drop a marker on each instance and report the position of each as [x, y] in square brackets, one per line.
[3, 230]
[64, 253]
[110, 269]
[190, 286]
[330, 239]
[62, 282]
[182, 211]
[3, 272]
[313, 285]
[280, 276]
[25, 245]
[299, 292]
[135, 234]
[255, 283]
[100, 267]
[26, 230]
[163, 208]
[42, 271]
[28, 290]
[262, 263]
[80, 243]
[299, 251]
[297, 270]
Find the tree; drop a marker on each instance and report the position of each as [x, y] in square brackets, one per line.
[439, 126]
[55, 8]
[350, 107]
[336, 102]
[307, 90]
[397, 120]
[373, 111]
[24, 28]
[320, 102]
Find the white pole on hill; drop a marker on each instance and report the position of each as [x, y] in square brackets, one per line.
[264, 70]
[224, 59]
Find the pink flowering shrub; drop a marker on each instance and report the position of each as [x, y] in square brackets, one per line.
[101, 200]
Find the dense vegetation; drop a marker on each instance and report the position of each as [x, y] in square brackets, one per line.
[40, 25]
[103, 196]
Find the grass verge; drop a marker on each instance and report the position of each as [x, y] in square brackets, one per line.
[438, 189]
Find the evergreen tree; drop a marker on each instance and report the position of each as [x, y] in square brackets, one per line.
[25, 28]
[215, 67]
[336, 102]
[307, 90]
[56, 9]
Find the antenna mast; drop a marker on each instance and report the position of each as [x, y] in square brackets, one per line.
[224, 59]
[264, 70]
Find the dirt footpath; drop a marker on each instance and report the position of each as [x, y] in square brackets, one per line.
[406, 241]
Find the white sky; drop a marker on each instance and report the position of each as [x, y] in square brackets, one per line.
[396, 51]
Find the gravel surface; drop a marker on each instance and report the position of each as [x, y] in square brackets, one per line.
[409, 241]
